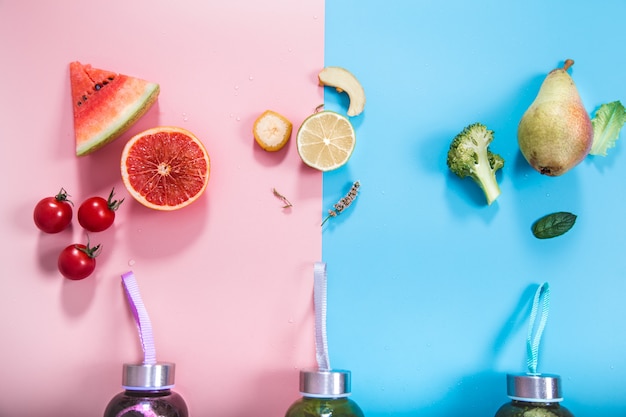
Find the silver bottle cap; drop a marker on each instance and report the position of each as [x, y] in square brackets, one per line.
[144, 377]
[325, 384]
[534, 387]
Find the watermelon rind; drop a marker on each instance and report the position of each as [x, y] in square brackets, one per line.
[106, 104]
[120, 124]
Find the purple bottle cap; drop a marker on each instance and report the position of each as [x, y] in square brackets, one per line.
[148, 377]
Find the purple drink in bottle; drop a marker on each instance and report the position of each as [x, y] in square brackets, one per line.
[147, 386]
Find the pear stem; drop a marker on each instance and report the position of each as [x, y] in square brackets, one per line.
[568, 63]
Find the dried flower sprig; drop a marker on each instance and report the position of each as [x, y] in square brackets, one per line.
[344, 203]
[282, 198]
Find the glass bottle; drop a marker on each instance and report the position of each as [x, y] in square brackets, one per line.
[324, 393]
[147, 393]
[533, 395]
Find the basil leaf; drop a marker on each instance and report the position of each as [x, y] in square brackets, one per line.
[553, 225]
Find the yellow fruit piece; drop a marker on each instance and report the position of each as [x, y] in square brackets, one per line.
[344, 81]
[326, 140]
[271, 131]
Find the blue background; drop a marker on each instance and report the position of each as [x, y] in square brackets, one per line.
[429, 288]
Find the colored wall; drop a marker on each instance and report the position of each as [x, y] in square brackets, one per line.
[429, 289]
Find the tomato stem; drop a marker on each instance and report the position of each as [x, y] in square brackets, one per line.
[113, 204]
[92, 252]
[62, 196]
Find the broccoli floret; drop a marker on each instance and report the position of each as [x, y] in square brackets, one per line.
[469, 156]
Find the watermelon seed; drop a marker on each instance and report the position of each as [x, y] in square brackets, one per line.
[98, 86]
[81, 102]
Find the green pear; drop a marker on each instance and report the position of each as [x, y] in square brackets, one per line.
[555, 133]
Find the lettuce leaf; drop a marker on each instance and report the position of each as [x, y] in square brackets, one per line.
[607, 123]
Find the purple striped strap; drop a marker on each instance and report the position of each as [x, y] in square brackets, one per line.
[141, 317]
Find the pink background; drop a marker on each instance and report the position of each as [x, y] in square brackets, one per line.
[228, 280]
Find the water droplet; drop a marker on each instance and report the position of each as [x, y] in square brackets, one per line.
[251, 78]
[547, 194]
[236, 87]
[231, 115]
[290, 320]
[131, 262]
[138, 230]
[315, 17]
[238, 118]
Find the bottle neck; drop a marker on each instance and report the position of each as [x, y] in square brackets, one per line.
[306, 398]
[520, 403]
[148, 393]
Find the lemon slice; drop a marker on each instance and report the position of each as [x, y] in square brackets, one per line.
[325, 140]
[271, 131]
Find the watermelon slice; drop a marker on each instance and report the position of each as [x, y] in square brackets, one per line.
[106, 104]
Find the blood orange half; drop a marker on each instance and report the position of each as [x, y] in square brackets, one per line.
[165, 168]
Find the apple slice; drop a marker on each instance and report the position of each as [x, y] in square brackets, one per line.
[344, 81]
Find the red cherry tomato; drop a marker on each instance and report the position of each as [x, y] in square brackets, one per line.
[78, 261]
[53, 214]
[97, 214]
